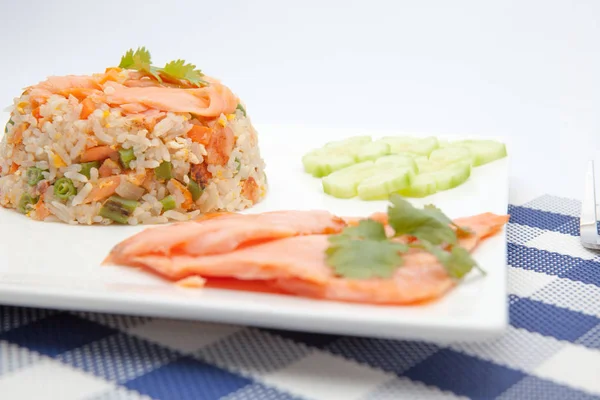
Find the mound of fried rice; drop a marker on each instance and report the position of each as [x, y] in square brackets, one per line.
[52, 137]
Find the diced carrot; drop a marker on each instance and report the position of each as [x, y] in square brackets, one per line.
[13, 168]
[41, 211]
[79, 93]
[250, 190]
[200, 134]
[186, 194]
[17, 135]
[147, 183]
[110, 74]
[220, 146]
[98, 153]
[88, 107]
[107, 168]
[137, 179]
[105, 187]
[36, 113]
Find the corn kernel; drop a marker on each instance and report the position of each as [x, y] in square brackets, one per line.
[58, 162]
[230, 117]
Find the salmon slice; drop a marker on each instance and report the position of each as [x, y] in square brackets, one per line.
[301, 257]
[210, 101]
[270, 247]
[225, 233]
[138, 94]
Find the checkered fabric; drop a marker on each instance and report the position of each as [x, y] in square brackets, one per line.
[550, 351]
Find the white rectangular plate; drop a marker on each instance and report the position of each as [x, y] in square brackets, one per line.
[58, 266]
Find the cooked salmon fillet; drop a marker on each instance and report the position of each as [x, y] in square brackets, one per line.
[286, 249]
[137, 94]
[224, 233]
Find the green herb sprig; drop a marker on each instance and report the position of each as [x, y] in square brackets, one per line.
[140, 60]
[365, 251]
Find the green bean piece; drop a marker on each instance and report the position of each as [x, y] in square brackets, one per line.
[25, 202]
[168, 203]
[86, 167]
[126, 156]
[194, 189]
[10, 122]
[34, 175]
[241, 108]
[118, 209]
[64, 188]
[238, 164]
[164, 171]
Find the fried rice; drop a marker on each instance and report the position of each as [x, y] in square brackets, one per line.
[124, 161]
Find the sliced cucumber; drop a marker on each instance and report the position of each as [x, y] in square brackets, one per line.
[420, 146]
[452, 175]
[372, 151]
[484, 151]
[398, 160]
[435, 178]
[344, 183]
[420, 186]
[349, 142]
[319, 164]
[384, 182]
[334, 156]
[450, 155]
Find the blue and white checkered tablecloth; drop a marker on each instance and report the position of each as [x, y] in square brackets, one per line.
[550, 351]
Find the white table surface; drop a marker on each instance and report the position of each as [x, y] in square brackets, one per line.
[525, 70]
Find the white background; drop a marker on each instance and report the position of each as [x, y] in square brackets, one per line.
[526, 70]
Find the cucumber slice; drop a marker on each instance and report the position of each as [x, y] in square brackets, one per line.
[344, 183]
[334, 156]
[420, 186]
[450, 155]
[484, 151]
[384, 182]
[419, 146]
[318, 164]
[452, 176]
[398, 160]
[436, 178]
[372, 151]
[349, 142]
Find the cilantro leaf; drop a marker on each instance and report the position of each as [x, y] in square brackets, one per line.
[428, 224]
[139, 60]
[364, 259]
[366, 229]
[458, 262]
[364, 251]
[461, 231]
[178, 69]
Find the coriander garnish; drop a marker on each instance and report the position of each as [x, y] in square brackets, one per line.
[365, 251]
[179, 70]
